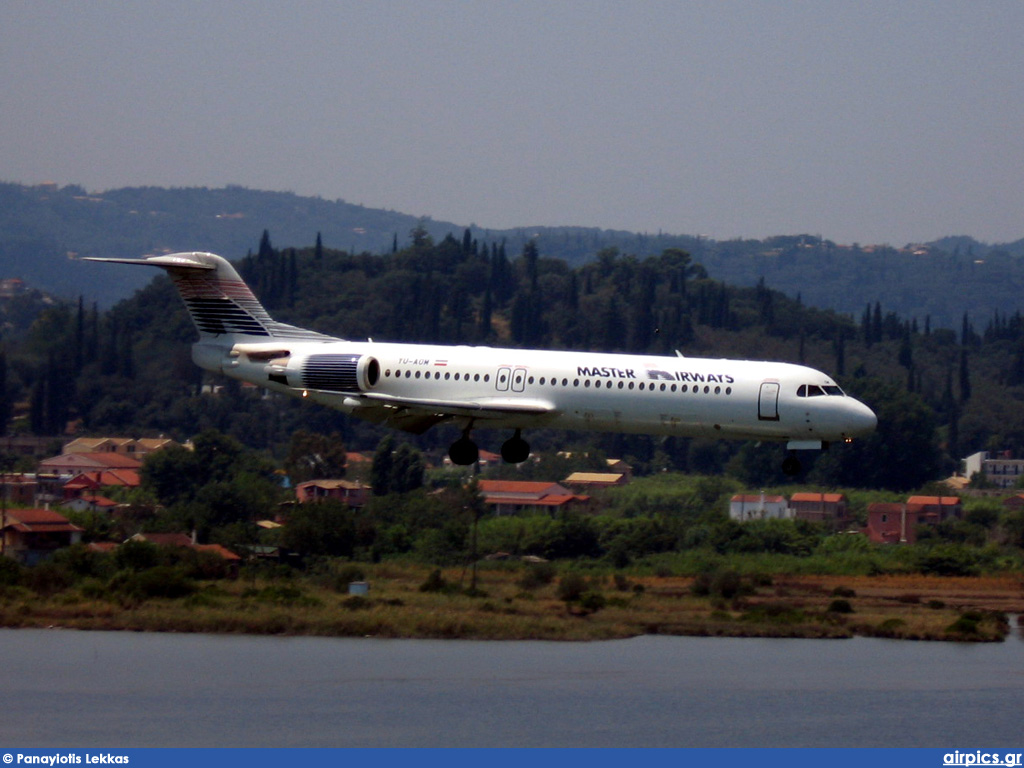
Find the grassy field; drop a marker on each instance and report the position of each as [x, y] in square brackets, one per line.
[410, 601]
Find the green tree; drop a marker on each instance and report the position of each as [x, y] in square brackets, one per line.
[321, 528]
[382, 469]
[312, 455]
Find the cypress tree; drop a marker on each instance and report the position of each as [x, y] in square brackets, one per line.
[5, 403]
[965, 378]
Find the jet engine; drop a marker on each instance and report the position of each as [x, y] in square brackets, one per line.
[332, 372]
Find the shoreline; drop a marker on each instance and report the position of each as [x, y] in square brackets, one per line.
[911, 607]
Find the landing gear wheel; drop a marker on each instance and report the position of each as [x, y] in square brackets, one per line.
[791, 465]
[463, 452]
[515, 450]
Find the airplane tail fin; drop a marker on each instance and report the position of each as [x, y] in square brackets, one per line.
[221, 305]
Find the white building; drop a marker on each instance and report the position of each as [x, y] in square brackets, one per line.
[1000, 470]
[745, 507]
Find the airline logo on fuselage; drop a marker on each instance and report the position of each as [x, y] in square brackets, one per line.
[608, 373]
[655, 375]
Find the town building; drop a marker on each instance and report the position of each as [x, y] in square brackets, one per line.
[596, 479]
[18, 488]
[510, 497]
[932, 510]
[349, 492]
[744, 507]
[892, 523]
[1000, 469]
[90, 503]
[91, 483]
[125, 446]
[68, 465]
[32, 535]
[829, 508]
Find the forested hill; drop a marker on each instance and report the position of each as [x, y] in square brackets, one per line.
[940, 395]
[40, 226]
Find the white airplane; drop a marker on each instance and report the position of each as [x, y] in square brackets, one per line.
[416, 386]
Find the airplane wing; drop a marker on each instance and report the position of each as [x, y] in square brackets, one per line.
[417, 415]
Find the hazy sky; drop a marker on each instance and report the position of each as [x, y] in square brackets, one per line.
[871, 122]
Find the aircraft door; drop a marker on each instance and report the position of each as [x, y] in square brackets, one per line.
[501, 381]
[768, 401]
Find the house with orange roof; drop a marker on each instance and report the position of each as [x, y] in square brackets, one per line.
[892, 523]
[829, 508]
[509, 497]
[71, 464]
[90, 503]
[91, 483]
[32, 535]
[932, 510]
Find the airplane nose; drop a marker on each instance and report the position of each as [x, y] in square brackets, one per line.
[860, 419]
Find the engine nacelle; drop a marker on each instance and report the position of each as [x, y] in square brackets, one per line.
[333, 372]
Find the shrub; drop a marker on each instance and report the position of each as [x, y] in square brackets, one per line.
[11, 572]
[281, 594]
[537, 576]
[162, 581]
[725, 584]
[48, 579]
[892, 624]
[435, 582]
[840, 606]
[592, 601]
[966, 625]
[571, 587]
[356, 603]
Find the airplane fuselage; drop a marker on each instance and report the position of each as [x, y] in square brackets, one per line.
[683, 396]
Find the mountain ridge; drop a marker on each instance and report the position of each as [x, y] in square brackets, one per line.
[44, 227]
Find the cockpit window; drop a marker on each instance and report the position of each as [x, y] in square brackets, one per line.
[813, 390]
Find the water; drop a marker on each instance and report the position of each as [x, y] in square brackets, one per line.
[65, 688]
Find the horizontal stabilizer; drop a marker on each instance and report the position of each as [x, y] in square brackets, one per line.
[172, 261]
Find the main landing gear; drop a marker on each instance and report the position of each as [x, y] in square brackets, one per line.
[464, 451]
[515, 450]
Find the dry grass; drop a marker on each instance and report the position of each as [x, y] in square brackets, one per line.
[910, 606]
